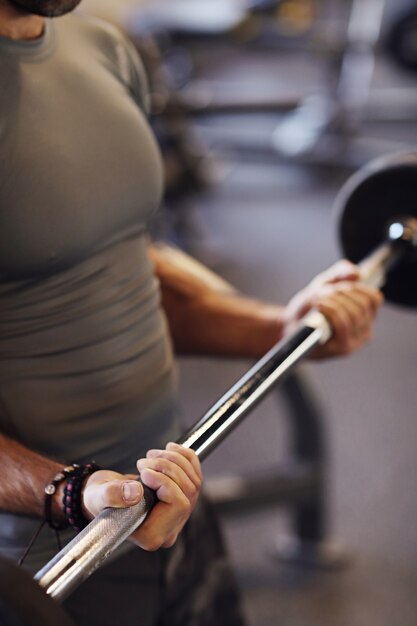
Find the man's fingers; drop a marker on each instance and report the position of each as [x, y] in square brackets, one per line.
[173, 470]
[169, 515]
[339, 320]
[351, 314]
[373, 296]
[173, 474]
[188, 454]
[186, 459]
[359, 301]
[349, 305]
[342, 270]
[360, 314]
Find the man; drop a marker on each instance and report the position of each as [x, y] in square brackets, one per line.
[86, 371]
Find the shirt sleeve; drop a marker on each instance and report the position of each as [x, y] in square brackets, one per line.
[133, 73]
[123, 59]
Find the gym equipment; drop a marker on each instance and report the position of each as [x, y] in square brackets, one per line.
[402, 38]
[237, 20]
[323, 128]
[395, 259]
[368, 204]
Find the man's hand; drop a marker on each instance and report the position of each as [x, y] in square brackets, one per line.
[175, 475]
[349, 305]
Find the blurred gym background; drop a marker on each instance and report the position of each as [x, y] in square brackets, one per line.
[263, 108]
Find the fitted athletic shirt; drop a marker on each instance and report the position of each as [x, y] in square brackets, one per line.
[86, 368]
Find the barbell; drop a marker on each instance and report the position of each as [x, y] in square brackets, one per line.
[377, 217]
[378, 224]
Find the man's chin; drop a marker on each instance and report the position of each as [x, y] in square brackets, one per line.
[46, 8]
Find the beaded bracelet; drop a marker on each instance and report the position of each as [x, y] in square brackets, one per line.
[50, 490]
[72, 500]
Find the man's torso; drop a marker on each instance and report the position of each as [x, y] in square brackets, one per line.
[85, 361]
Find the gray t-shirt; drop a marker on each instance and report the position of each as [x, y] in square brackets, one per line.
[86, 369]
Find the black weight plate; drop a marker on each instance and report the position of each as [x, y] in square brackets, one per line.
[402, 40]
[379, 193]
[24, 603]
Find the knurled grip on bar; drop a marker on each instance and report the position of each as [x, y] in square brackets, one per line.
[91, 547]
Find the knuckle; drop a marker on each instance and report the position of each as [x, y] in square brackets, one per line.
[192, 493]
[183, 503]
[168, 543]
[160, 465]
[155, 452]
[154, 542]
[189, 454]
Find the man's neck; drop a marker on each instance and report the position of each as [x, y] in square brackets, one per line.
[19, 25]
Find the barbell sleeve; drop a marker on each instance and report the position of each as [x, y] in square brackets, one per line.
[90, 548]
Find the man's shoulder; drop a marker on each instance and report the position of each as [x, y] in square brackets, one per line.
[93, 29]
[121, 58]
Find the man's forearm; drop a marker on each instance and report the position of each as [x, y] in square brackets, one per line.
[208, 318]
[217, 324]
[25, 475]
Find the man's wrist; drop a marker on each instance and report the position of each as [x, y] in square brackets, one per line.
[57, 507]
[53, 498]
[63, 504]
[270, 329]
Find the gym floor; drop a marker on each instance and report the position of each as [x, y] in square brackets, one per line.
[268, 228]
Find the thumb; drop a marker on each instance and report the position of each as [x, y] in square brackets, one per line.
[113, 493]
